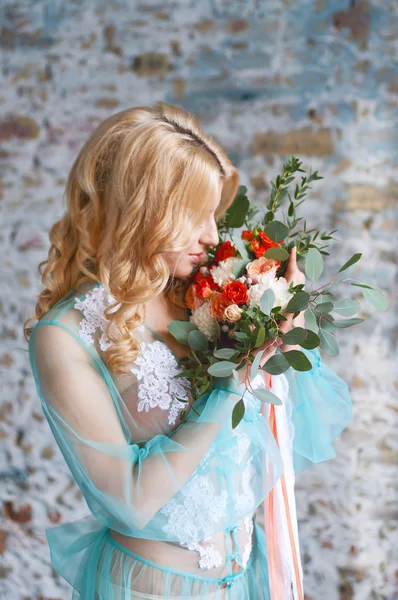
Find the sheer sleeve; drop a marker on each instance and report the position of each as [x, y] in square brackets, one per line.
[125, 475]
[321, 408]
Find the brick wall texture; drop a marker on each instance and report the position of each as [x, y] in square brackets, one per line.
[317, 79]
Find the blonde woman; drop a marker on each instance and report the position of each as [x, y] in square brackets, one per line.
[173, 505]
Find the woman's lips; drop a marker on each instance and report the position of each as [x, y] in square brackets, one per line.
[198, 257]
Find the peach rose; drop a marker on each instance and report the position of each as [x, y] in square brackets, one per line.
[218, 305]
[232, 313]
[262, 266]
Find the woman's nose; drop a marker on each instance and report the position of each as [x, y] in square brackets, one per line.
[209, 236]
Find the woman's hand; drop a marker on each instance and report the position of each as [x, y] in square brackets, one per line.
[294, 274]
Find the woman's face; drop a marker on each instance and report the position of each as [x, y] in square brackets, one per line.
[205, 234]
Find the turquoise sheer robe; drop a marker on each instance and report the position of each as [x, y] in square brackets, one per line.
[172, 505]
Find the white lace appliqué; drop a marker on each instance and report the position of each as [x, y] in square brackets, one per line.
[158, 386]
[92, 306]
[156, 364]
[191, 519]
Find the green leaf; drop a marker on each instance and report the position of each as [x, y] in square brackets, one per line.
[276, 365]
[266, 396]
[267, 301]
[238, 413]
[327, 325]
[240, 335]
[237, 212]
[298, 302]
[198, 341]
[255, 364]
[236, 377]
[181, 329]
[239, 268]
[224, 352]
[328, 342]
[311, 340]
[241, 246]
[260, 337]
[276, 231]
[298, 360]
[376, 298]
[362, 285]
[355, 258]
[347, 307]
[221, 369]
[313, 264]
[347, 322]
[323, 307]
[279, 254]
[294, 336]
[311, 320]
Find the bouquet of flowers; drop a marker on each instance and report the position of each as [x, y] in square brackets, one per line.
[240, 299]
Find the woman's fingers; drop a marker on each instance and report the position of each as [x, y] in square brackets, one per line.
[291, 265]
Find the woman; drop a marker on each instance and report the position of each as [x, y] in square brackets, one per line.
[173, 504]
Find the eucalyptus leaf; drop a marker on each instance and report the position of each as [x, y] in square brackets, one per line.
[241, 246]
[224, 352]
[347, 307]
[266, 396]
[240, 335]
[260, 337]
[236, 377]
[294, 336]
[267, 301]
[181, 329]
[298, 302]
[313, 265]
[310, 319]
[222, 368]
[276, 365]
[376, 298]
[311, 340]
[327, 325]
[237, 213]
[198, 341]
[328, 342]
[355, 258]
[298, 360]
[239, 268]
[276, 231]
[323, 307]
[277, 253]
[238, 413]
[347, 322]
[255, 364]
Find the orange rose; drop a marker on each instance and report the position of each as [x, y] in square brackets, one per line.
[226, 250]
[258, 249]
[235, 292]
[193, 302]
[217, 305]
[262, 266]
[247, 234]
[202, 289]
[212, 284]
[266, 241]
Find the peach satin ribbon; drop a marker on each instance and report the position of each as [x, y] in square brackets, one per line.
[275, 566]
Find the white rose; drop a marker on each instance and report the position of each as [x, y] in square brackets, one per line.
[232, 313]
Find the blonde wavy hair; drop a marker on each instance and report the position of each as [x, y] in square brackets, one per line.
[139, 185]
